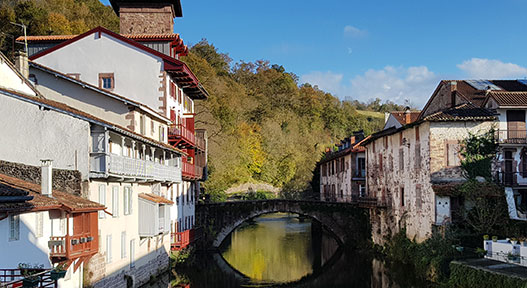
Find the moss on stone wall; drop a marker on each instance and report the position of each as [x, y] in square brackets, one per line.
[463, 276]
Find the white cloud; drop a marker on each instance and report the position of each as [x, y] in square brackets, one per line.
[396, 84]
[491, 69]
[354, 31]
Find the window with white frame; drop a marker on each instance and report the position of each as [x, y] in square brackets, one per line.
[108, 248]
[102, 199]
[127, 200]
[115, 201]
[132, 253]
[14, 227]
[123, 245]
[39, 224]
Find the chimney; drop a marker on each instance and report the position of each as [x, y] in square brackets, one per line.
[21, 64]
[46, 177]
[147, 17]
[453, 89]
[407, 113]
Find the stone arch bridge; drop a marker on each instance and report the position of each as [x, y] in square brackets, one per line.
[348, 221]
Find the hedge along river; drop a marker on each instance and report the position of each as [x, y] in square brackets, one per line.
[285, 250]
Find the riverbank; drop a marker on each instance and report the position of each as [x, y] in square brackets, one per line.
[486, 273]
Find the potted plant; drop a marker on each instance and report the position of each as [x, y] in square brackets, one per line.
[494, 238]
[29, 272]
[514, 241]
[486, 237]
[523, 241]
[513, 258]
[58, 271]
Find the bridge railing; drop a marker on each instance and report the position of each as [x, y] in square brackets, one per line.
[355, 199]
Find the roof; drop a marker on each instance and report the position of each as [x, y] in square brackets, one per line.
[99, 90]
[136, 37]
[22, 78]
[463, 112]
[61, 107]
[155, 198]
[178, 69]
[59, 199]
[355, 148]
[507, 98]
[400, 116]
[178, 12]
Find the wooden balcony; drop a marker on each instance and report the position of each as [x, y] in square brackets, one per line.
[188, 171]
[509, 136]
[181, 136]
[200, 141]
[180, 240]
[71, 247]
[126, 167]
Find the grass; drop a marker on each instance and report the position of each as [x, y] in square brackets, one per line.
[373, 114]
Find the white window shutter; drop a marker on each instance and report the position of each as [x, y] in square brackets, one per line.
[102, 199]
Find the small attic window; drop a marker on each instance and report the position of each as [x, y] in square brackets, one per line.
[106, 81]
[33, 79]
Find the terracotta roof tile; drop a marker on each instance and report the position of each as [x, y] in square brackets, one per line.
[155, 198]
[60, 200]
[400, 116]
[463, 112]
[506, 98]
[137, 37]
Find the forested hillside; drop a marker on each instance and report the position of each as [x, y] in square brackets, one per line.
[263, 125]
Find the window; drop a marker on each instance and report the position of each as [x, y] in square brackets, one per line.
[127, 200]
[106, 81]
[417, 134]
[161, 133]
[361, 167]
[123, 245]
[108, 248]
[39, 224]
[177, 194]
[418, 203]
[417, 156]
[362, 190]
[132, 253]
[14, 227]
[402, 196]
[115, 201]
[401, 160]
[152, 127]
[142, 125]
[452, 156]
[102, 200]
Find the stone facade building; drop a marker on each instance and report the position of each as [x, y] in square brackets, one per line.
[342, 172]
[410, 168]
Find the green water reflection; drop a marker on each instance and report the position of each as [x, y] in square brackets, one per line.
[273, 248]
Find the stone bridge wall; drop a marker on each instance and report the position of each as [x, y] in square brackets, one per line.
[348, 222]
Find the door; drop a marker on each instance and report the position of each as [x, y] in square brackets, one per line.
[442, 209]
[516, 125]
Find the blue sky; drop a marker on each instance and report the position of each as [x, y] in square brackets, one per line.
[396, 50]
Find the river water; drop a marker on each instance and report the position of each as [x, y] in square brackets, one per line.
[286, 250]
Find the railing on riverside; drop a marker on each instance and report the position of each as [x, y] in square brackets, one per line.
[180, 131]
[138, 168]
[356, 199]
[11, 278]
[181, 240]
[508, 136]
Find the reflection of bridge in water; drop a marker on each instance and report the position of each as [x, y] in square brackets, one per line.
[347, 221]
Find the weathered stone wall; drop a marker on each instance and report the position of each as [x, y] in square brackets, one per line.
[137, 276]
[402, 169]
[155, 19]
[63, 180]
[345, 181]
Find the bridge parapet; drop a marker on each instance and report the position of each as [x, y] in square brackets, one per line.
[347, 221]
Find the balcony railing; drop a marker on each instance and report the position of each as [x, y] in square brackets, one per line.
[361, 201]
[15, 278]
[199, 171]
[180, 131]
[188, 171]
[200, 142]
[71, 246]
[137, 168]
[511, 179]
[512, 136]
[181, 240]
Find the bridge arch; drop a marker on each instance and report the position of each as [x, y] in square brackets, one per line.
[348, 222]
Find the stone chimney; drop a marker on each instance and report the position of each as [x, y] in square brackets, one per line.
[21, 63]
[46, 177]
[147, 17]
[407, 115]
[453, 90]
